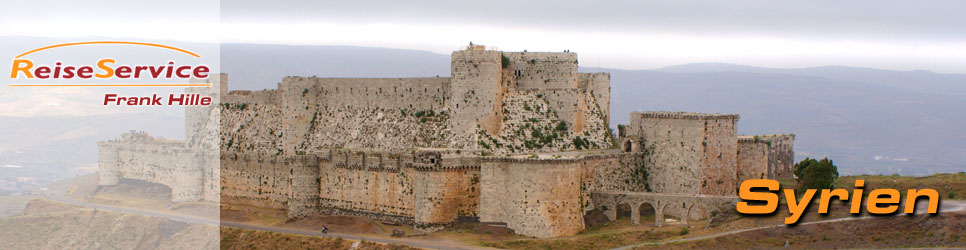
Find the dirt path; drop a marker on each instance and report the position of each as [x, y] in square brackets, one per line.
[946, 206]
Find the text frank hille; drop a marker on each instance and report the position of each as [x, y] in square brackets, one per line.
[155, 100]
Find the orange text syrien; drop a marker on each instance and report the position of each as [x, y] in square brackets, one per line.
[764, 194]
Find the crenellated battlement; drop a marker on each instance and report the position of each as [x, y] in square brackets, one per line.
[683, 115]
[765, 138]
[769, 156]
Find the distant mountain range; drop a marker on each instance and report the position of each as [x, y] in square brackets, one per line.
[869, 121]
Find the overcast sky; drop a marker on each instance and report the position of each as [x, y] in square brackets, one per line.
[904, 35]
[632, 34]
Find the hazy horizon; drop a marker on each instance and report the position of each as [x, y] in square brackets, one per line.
[891, 35]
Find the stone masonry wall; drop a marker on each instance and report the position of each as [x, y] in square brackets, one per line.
[673, 148]
[254, 179]
[781, 157]
[752, 160]
[543, 70]
[415, 93]
[720, 155]
[695, 153]
[139, 156]
[475, 95]
[597, 84]
[376, 182]
[613, 172]
[442, 196]
[540, 198]
[768, 156]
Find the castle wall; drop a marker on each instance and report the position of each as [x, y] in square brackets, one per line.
[141, 157]
[613, 172]
[720, 148]
[769, 156]
[782, 156]
[673, 148]
[752, 160]
[539, 198]
[543, 70]
[310, 114]
[387, 186]
[416, 93]
[375, 183]
[598, 84]
[304, 184]
[695, 153]
[255, 179]
[108, 173]
[441, 196]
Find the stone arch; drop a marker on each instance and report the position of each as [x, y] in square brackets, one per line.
[675, 209]
[643, 212]
[627, 145]
[624, 209]
[646, 209]
[698, 211]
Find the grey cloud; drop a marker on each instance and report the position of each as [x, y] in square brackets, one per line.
[899, 20]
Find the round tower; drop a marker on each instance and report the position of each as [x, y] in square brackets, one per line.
[108, 173]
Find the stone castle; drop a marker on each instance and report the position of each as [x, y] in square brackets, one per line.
[519, 138]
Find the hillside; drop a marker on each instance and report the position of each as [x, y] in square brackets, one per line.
[72, 227]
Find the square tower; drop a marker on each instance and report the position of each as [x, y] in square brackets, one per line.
[690, 153]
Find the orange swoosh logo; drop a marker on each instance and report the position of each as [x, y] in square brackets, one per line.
[111, 42]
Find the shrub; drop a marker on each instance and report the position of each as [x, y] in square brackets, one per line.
[815, 174]
[579, 143]
[562, 126]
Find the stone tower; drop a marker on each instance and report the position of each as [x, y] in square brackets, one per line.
[475, 93]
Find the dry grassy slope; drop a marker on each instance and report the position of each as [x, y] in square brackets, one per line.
[235, 238]
[949, 186]
[943, 230]
[52, 225]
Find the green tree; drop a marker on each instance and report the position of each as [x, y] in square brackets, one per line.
[815, 174]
